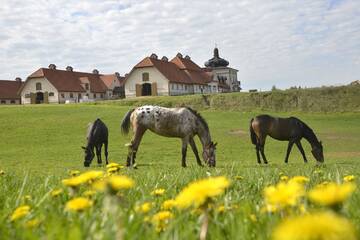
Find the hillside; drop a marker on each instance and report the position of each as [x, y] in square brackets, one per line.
[324, 99]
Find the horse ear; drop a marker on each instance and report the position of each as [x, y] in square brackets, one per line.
[215, 144]
[83, 147]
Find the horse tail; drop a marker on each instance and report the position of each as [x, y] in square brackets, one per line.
[125, 124]
[252, 133]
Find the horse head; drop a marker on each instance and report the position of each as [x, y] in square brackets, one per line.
[317, 151]
[209, 154]
[89, 156]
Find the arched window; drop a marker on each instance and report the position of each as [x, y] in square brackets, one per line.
[145, 76]
[38, 86]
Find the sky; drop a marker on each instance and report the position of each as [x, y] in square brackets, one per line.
[285, 43]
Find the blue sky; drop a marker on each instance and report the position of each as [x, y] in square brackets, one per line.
[283, 43]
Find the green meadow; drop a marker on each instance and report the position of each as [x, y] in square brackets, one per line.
[39, 145]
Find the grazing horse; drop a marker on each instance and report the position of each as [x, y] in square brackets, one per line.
[97, 135]
[284, 129]
[182, 123]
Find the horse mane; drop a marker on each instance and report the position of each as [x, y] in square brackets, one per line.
[308, 132]
[199, 117]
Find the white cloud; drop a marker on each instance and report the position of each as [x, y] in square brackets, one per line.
[282, 43]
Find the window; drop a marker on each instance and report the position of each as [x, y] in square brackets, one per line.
[12, 101]
[102, 95]
[38, 86]
[177, 86]
[185, 87]
[145, 77]
[63, 95]
[3, 101]
[87, 94]
[214, 87]
[51, 94]
[71, 95]
[172, 86]
[79, 96]
[86, 86]
[94, 95]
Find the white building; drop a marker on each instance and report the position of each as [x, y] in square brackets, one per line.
[51, 85]
[223, 76]
[153, 76]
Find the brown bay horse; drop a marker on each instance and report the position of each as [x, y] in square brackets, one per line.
[284, 129]
[182, 123]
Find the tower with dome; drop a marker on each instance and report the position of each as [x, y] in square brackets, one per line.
[224, 77]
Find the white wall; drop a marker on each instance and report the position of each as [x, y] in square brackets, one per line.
[30, 87]
[154, 76]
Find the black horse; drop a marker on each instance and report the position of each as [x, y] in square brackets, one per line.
[284, 129]
[97, 135]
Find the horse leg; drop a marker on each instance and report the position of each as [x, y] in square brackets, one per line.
[262, 147]
[298, 144]
[194, 149]
[257, 148]
[185, 142]
[106, 152]
[139, 132]
[290, 144]
[98, 154]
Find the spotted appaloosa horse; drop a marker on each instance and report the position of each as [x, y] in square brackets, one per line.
[284, 129]
[182, 123]
[97, 135]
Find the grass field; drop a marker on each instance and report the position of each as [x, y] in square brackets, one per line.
[40, 144]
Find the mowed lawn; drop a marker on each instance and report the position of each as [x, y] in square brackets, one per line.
[39, 145]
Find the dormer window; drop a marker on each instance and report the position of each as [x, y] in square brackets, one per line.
[145, 77]
[38, 86]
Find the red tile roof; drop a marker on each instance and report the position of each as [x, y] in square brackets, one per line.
[178, 70]
[108, 79]
[9, 89]
[69, 81]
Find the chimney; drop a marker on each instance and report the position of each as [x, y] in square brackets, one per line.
[69, 68]
[187, 57]
[95, 71]
[164, 58]
[52, 66]
[154, 56]
[179, 55]
[18, 79]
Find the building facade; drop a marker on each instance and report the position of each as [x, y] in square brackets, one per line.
[9, 91]
[157, 77]
[224, 77]
[51, 85]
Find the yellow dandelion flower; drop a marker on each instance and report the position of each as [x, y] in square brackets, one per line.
[78, 204]
[283, 194]
[284, 178]
[99, 185]
[86, 177]
[331, 194]
[32, 223]
[319, 226]
[117, 183]
[161, 219]
[158, 192]
[198, 192]
[89, 193]
[20, 212]
[349, 178]
[56, 192]
[144, 208]
[168, 204]
[74, 173]
[114, 165]
[268, 208]
[253, 218]
[220, 209]
[112, 170]
[299, 179]
[147, 219]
